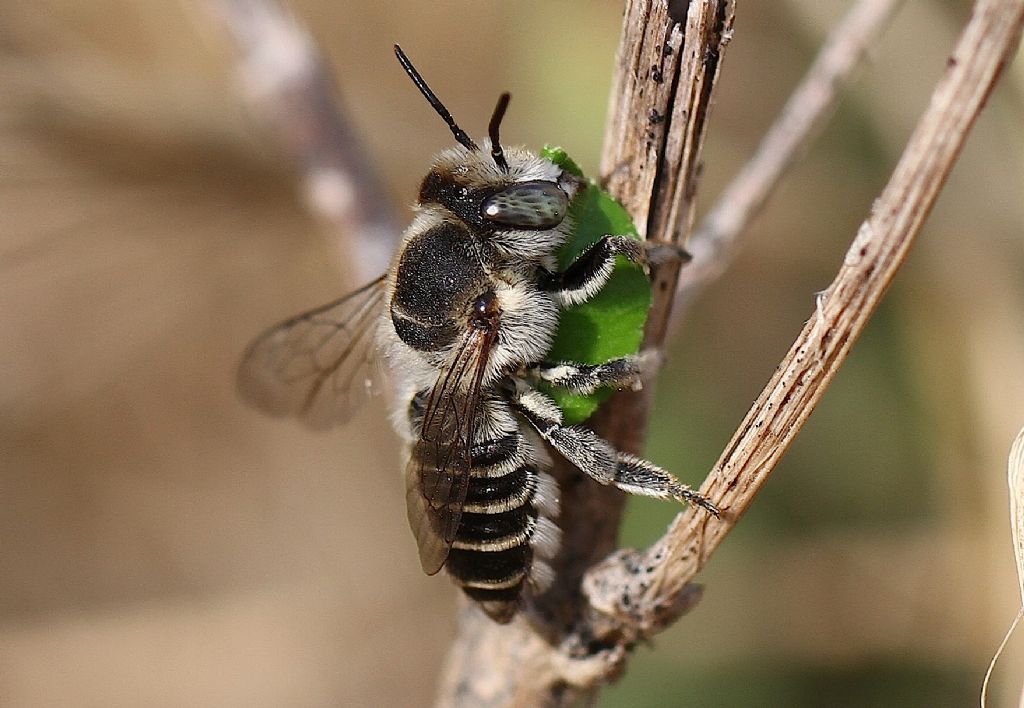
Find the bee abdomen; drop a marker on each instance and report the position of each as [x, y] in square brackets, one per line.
[494, 495]
[497, 570]
[495, 532]
[494, 457]
[494, 579]
[492, 552]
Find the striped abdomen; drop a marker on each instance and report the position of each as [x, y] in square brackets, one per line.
[506, 532]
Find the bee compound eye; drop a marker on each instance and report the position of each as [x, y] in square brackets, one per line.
[527, 205]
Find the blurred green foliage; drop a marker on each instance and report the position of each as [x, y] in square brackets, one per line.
[654, 683]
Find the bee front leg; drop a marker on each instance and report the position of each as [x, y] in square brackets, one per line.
[586, 275]
[661, 253]
[596, 457]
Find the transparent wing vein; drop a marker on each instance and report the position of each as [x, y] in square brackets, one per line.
[438, 473]
[319, 365]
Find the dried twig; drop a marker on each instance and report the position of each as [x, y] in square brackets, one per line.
[1015, 482]
[635, 603]
[808, 108]
[666, 69]
[659, 107]
[287, 82]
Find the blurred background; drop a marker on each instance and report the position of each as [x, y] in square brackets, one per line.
[162, 545]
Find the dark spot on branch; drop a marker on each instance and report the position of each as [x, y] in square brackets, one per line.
[656, 75]
[711, 60]
[558, 691]
[843, 339]
[711, 57]
[655, 117]
[677, 10]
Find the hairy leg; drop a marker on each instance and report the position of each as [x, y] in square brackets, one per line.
[596, 457]
[585, 276]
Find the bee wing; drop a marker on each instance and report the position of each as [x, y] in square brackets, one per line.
[317, 365]
[438, 472]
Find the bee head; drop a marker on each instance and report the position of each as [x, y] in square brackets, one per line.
[517, 191]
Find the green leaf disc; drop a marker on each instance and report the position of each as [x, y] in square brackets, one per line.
[611, 324]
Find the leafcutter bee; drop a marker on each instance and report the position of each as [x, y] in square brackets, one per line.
[465, 318]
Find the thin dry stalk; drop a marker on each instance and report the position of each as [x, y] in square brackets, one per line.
[633, 604]
[289, 86]
[1015, 484]
[807, 110]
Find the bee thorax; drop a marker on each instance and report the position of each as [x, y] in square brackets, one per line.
[438, 274]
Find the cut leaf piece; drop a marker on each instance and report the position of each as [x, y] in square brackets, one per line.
[611, 324]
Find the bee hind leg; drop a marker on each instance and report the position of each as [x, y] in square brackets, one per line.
[638, 476]
[596, 457]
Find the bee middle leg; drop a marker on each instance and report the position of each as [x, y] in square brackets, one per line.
[596, 457]
[625, 372]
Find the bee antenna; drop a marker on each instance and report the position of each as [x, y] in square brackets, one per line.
[492, 130]
[460, 135]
